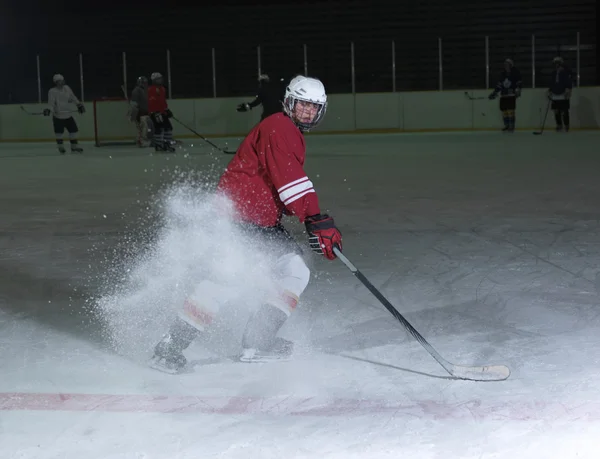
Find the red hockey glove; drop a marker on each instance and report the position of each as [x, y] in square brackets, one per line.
[323, 235]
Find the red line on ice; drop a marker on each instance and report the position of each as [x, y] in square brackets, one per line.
[301, 406]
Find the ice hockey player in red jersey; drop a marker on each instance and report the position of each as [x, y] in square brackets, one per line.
[160, 114]
[264, 181]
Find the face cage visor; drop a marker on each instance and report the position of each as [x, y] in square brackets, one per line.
[289, 107]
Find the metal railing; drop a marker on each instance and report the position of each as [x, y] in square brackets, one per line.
[362, 69]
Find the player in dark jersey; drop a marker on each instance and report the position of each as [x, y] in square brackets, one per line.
[559, 92]
[270, 95]
[265, 180]
[509, 88]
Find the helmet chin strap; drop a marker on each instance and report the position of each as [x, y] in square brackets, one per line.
[304, 126]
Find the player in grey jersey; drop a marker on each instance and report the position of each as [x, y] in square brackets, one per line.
[139, 112]
[62, 103]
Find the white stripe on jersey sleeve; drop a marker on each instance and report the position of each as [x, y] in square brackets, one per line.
[291, 192]
[298, 196]
[303, 179]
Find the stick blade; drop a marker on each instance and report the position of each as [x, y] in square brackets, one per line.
[483, 373]
[537, 133]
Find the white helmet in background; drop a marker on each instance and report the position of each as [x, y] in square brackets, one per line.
[156, 76]
[58, 77]
[305, 89]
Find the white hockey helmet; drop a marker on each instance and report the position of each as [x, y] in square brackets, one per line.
[558, 60]
[263, 77]
[305, 89]
[58, 77]
[155, 76]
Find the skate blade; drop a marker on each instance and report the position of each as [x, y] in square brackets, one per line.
[156, 365]
[264, 358]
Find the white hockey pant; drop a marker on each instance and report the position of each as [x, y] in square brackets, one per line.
[290, 274]
[144, 129]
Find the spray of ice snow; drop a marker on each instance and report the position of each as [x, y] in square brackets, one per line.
[196, 240]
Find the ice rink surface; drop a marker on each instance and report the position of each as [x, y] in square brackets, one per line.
[488, 243]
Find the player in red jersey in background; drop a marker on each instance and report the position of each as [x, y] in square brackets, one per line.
[160, 114]
[264, 181]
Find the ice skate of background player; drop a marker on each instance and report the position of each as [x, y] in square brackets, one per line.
[160, 114]
[559, 92]
[264, 181]
[61, 104]
[270, 95]
[509, 87]
[139, 112]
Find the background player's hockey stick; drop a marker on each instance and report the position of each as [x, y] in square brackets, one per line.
[541, 131]
[41, 113]
[470, 97]
[227, 152]
[31, 113]
[473, 373]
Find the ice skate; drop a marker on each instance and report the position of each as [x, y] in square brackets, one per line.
[168, 354]
[260, 343]
[281, 351]
[163, 147]
[167, 357]
[61, 150]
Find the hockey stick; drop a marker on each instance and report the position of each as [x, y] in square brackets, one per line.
[41, 113]
[544, 122]
[31, 113]
[470, 97]
[473, 373]
[227, 152]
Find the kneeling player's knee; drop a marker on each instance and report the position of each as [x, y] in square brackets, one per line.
[294, 272]
[293, 277]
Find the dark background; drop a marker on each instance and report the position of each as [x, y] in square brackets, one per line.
[101, 31]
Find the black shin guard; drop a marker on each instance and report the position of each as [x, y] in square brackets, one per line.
[262, 328]
[566, 118]
[182, 334]
[558, 118]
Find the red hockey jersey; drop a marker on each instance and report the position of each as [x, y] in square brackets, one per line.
[157, 99]
[266, 176]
